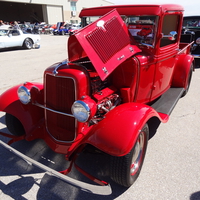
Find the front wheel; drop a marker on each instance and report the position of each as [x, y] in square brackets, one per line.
[28, 44]
[14, 125]
[125, 170]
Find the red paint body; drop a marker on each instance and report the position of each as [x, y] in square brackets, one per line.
[107, 66]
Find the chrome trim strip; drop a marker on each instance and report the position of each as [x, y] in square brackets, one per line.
[182, 50]
[61, 113]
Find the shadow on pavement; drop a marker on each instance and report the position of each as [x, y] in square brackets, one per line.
[20, 180]
[195, 196]
[12, 49]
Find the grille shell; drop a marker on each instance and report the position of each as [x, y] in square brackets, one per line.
[59, 96]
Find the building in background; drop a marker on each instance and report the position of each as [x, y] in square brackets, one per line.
[49, 11]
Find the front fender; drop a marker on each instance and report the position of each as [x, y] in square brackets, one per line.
[182, 70]
[29, 115]
[117, 133]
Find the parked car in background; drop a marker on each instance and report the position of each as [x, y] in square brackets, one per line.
[62, 28]
[191, 32]
[42, 28]
[26, 27]
[48, 29]
[73, 28]
[17, 38]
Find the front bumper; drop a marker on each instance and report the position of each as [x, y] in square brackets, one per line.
[95, 189]
[36, 45]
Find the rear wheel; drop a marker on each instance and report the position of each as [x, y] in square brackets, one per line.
[125, 170]
[28, 44]
[188, 81]
[14, 125]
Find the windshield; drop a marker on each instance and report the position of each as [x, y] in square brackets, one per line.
[3, 32]
[191, 23]
[142, 28]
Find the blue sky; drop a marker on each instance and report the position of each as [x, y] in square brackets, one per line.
[192, 7]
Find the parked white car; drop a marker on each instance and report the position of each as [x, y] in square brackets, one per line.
[74, 28]
[17, 38]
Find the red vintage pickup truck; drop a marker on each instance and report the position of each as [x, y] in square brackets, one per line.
[126, 68]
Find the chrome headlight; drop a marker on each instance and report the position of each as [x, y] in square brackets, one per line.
[198, 40]
[24, 95]
[81, 111]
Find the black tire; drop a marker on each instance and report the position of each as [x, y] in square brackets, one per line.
[188, 81]
[14, 125]
[28, 44]
[197, 63]
[125, 170]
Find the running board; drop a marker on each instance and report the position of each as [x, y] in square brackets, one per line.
[166, 103]
[95, 189]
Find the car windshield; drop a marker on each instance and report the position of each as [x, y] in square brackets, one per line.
[3, 32]
[76, 25]
[142, 28]
[191, 22]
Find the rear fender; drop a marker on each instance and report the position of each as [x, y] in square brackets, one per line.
[29, 115]
[117, 133]
[182, 70]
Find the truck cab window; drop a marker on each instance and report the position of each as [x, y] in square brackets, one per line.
[170, 23]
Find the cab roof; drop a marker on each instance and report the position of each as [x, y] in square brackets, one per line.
[145, 9]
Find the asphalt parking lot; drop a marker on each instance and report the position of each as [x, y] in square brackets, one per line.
[171, 169]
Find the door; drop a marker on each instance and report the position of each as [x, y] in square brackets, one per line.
[14, 39]
[166, 56]
[3, 37]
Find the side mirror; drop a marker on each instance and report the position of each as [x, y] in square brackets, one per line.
[10, 35]
[172, 36]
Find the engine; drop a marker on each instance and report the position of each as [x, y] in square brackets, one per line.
[105, 97]
[105, 106]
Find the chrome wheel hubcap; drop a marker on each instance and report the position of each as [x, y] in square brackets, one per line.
[138, 153]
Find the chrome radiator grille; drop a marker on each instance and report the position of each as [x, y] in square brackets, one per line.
[59, 96]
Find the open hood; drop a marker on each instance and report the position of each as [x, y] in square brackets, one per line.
[106, 42]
